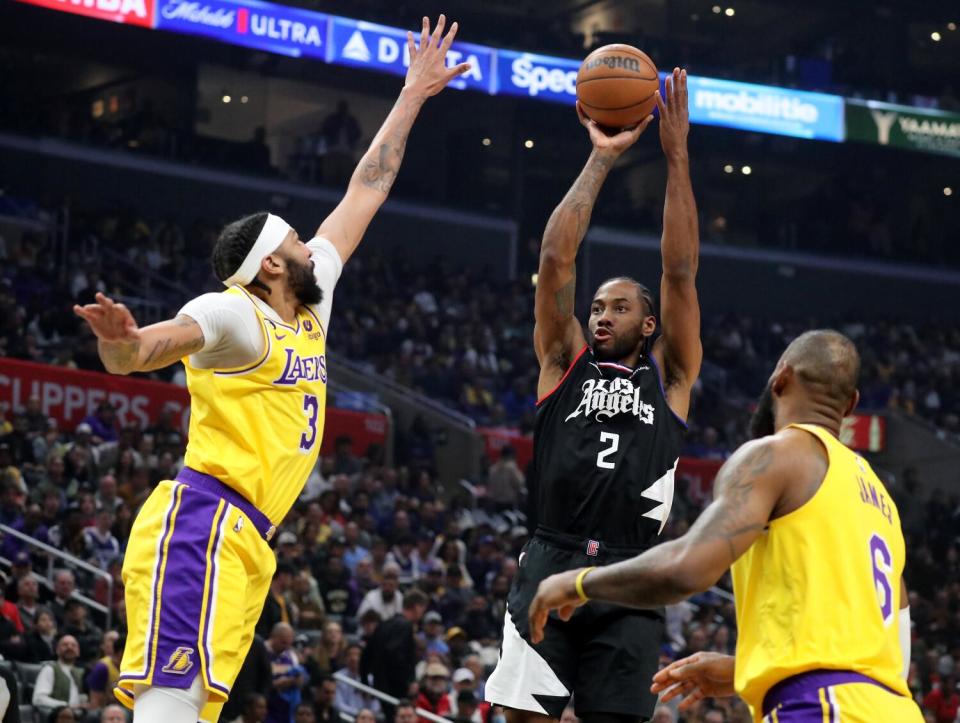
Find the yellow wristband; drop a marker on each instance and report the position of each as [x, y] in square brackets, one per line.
[579, 583]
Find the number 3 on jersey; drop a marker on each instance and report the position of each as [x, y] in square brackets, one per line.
[614, 440]
[882, 562]
[311, 408]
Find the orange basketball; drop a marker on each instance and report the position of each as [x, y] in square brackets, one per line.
[616, 85]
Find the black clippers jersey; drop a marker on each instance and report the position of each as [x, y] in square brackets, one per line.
[606, 447]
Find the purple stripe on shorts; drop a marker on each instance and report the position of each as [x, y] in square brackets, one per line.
[155, 585]
[212, 485]
[797, 698]
[211, 601]
[177, 661]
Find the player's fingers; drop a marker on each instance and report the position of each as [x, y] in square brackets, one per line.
[660, 104]
[691, 700]
[458, 70]
[424, 34]
[438, 31]
[105, 301]
[411, 46]
[683, 89]
[566, 612]
[448, 40]
[582, 115]
[642, 127]
[675, 85]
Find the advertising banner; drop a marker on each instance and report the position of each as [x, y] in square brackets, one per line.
[382, 48]
[864, 432]
[765, 109]
[132, 12]
[69, 395]
[264, 26]
[900, 126]
[542, 77]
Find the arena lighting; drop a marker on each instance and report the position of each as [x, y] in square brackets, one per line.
[716, 9]
[947, 191]
[728, 168]
[244, 99]
[746, 170]
[935, 36]
[534, 278]
[951, 26]
[227, 99]
[729, 12]
[486, 141]
[528, 143]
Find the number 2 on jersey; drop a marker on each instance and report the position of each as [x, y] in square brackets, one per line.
[614, 440]
[311, 408]
[882, 562]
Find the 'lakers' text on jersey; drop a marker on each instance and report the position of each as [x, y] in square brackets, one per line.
[606, 447]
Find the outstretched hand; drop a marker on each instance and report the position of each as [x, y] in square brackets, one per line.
[699, 676]
[674, 114]
[616, 143]
[428, 73]
[110, 321]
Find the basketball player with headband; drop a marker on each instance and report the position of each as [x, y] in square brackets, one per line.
[198, 565]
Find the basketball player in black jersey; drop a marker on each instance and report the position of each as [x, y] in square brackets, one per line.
[607, 440]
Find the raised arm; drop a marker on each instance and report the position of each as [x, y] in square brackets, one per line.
[126, 348]
[374, 176]
[557, 334]
[749, 491]
[678, 350]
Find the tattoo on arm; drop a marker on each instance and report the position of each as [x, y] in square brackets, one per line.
[565, 297]
[731, 516]
[381, 163]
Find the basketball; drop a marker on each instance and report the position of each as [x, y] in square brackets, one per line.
[616, 85]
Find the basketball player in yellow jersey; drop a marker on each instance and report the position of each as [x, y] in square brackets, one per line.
[817, 554]
[198, 564]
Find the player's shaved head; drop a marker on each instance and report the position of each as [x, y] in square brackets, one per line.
[825, 364]
[826, 361]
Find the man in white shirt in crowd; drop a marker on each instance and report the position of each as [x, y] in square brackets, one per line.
[60, 682]
[386, 599]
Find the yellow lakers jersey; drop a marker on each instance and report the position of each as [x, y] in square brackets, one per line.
[820, 588]
[258, 429]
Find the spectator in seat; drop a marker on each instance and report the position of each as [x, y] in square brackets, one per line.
[433, 634]
[64, 585]
[254, 709]
[256, 676]
[28, 590]
[386, 599]
[113, 713]
[41, 643]
[278, 608]
[76, 623]
[8, 610]
[433, 691]
[60, 682]
[289, 676]
[324, 695]
[103, 677]
[102, 547]
[348, 698]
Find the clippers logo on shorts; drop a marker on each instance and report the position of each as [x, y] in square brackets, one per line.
[593, 548]
[606, 398]
[180, 661]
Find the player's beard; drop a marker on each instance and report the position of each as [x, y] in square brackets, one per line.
[622, 346]
[762, 421]
[303, 282]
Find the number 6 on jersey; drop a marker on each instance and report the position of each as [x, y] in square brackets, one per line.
[602, 456]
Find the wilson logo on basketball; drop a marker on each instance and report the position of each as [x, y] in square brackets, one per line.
[613, 62]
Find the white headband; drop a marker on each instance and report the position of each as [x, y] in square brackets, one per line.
[274, 231]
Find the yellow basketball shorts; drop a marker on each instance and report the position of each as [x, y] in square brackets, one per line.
[836, 696]
[196, 573]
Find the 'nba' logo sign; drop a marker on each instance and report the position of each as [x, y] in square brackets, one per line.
[593, 547]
